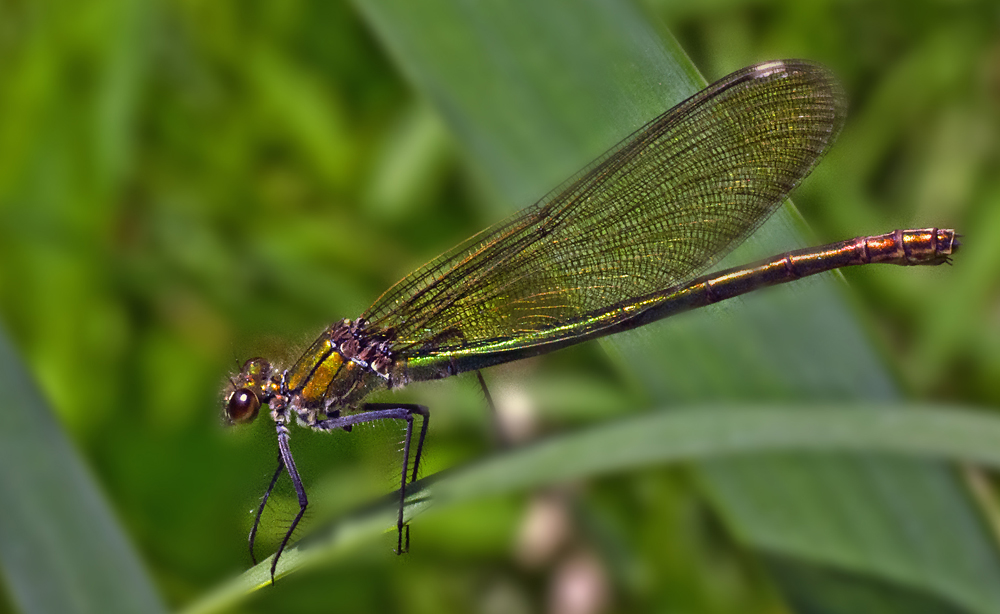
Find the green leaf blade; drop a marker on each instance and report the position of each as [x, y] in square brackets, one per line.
[61, 548]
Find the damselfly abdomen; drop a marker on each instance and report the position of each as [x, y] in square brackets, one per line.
[619, 245]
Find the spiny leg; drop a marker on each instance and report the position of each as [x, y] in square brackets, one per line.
[391, 411]
[263, 502]
[426, 414]
[416, 464]
[400, 549]
[499, 434]
[289, 463]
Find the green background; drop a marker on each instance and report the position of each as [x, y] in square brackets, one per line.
[184, 185]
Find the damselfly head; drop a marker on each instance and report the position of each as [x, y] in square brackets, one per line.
[247, 391]
[242, 406]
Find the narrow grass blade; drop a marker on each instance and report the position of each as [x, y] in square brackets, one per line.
[663, 438]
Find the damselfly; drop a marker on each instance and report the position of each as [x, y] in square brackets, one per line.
[619, 245]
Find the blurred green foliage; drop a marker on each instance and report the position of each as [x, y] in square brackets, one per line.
[185, 184]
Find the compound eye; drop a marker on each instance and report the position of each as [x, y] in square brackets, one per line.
[242, 406]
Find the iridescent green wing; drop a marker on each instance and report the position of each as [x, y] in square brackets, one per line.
[653, 212]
